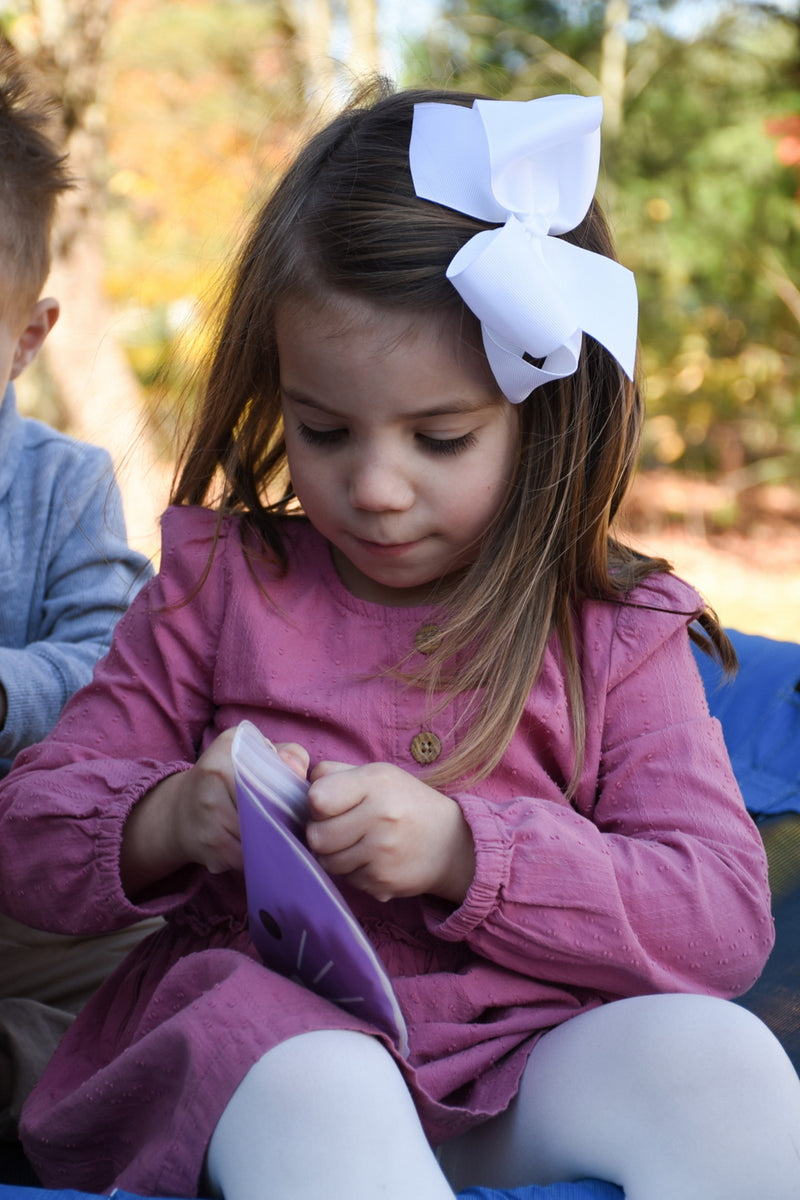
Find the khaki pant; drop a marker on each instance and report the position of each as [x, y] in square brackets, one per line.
[45, 980]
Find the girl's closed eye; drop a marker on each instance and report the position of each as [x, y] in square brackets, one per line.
[432, 445]
[320, 437]
[454, 445]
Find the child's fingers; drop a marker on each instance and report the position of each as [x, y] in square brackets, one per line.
[216, 760]
[327, 767]
[346, 862]
[335, 789]
[333, 835]
[295, 756]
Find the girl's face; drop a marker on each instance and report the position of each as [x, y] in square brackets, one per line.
[401, 448]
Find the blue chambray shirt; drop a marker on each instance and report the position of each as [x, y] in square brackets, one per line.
[66, 571]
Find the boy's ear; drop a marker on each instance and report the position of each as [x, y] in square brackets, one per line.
[41, 320]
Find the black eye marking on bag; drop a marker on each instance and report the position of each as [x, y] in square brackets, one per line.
[270, 924]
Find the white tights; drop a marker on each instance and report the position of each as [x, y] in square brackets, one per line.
[671, 1097]
[323, 1116]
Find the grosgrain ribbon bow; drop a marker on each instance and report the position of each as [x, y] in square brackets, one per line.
[533, 166]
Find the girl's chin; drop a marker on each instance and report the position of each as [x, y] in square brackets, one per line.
[391, 587]
[380, 586]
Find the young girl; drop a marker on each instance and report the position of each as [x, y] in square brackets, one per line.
[390, 550]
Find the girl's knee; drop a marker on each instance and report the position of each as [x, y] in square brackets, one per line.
[747, 1051]
[323, 1113]
[326, 1063]
[698, 1045]
[694, 1027]
[665, 1045]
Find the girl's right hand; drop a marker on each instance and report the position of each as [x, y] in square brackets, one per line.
[191, 818]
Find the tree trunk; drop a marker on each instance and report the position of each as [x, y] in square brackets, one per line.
[97, 390]
[100, 397]
[365, 53]
[613, 57]
[324, 78]
[311, 27]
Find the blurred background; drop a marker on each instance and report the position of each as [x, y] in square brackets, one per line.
[178, 115]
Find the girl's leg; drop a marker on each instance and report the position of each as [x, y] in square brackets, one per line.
[325, 1114]
[667, 1096]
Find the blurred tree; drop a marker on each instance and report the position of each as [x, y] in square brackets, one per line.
[96, 393]
[205, 104]
[316, 24]
[704, 209]
[182, 112]
[176, 114]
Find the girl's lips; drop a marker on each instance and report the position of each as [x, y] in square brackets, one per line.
[386, 549]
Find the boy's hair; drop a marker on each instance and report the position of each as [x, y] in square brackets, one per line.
[345, 220]
[33, 173]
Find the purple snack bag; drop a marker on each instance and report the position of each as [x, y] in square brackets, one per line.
[299, 922]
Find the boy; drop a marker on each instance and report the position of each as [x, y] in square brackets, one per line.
[66, 575]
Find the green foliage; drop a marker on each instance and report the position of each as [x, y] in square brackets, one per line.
[703, 210]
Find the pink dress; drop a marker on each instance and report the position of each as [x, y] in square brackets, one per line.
[652, 880]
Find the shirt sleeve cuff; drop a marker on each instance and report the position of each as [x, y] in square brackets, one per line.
[492, 867]
[169, 893]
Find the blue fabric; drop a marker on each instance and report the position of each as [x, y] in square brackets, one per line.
[66, 571]
[760, 716]
[586, 1189]
[11, 1191]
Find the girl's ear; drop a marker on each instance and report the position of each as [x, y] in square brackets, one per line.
[41, 320]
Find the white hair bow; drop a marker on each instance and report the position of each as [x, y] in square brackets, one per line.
[533, 166]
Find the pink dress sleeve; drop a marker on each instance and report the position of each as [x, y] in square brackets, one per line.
[655, 879]
[143, 717]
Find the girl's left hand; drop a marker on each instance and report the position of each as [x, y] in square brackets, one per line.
[388, 833]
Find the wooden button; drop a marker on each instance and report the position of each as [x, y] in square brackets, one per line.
[426, 747]
[427, 638]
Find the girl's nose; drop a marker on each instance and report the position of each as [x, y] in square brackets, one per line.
[378, 486]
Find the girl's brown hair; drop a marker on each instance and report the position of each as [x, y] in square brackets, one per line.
[345, 220]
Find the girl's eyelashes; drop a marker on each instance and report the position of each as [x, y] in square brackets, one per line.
[432, 445]
[320, 437]
[447, 445]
